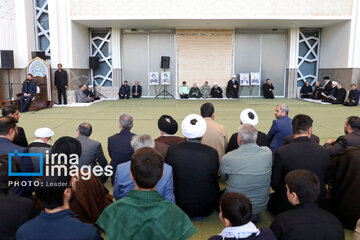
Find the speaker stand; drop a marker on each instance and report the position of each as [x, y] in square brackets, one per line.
[164, 92]
[10, 86]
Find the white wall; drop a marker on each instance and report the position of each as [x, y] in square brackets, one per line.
[334, 46]
[80, 46]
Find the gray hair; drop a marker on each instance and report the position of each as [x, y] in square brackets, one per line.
[126, 121]
[247, 133]
[284, 108]
[85, 129]
[140, 141]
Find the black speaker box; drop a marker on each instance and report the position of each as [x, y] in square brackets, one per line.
[40, 54]
[165, 62]
[7, 59]
[94, 62]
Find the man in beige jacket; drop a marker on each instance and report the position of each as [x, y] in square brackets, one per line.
[215, 135]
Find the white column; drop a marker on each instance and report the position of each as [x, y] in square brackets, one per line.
[293, 46]
[116, 55]
[354, 45]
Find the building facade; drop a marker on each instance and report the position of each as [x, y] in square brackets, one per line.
[289, 42]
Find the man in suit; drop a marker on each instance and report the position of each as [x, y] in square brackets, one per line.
[340, 95]
[61, 83]
[41, 145]
[124, 91]
[299, 154]
[91, 150]
[353, 98]
[306, 90]
[280, 128]
[136, 90]
[8, 131]
[28, 90]
[351, 137]
[268, 89]
[248, 116]
[247, 170]
[232, 89]
[119, 146]
[195, 167]
[20, 139]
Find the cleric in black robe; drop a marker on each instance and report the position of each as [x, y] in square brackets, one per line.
[216, 91]
[232, 89]
[340, 95]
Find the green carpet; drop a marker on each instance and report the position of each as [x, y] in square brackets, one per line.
[103, 116]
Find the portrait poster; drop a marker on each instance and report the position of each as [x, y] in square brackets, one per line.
[165, 78]
[255, 78]
[153, 78]
[244, 79]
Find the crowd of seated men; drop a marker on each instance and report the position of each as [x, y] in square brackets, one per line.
[161, 185]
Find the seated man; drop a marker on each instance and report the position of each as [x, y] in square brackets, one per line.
[205, 90]
[299, 154]
[56, 220]
[332, 93]
[305, 220]
[28, 90]
[123, 183]
[81, 96]
[124, 91]
[195, 169]
[136, 90]
[195, 92]
[90, 93]
[235, 215]
[91, 151]
[8, 131]
[119, 146]
[144, 213]
[351, 137]
[15, 210]
[20, 138]
[247, 169]
[248, 116]
[317, 91]
[41, 145]
[232, 88]
[184, 90]
[216, 91]
[353, 98]
[327, 85]
[268, 89]
[168, 127]
[340, 95]
[306, 90]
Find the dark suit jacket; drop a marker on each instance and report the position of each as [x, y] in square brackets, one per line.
[354, 95]
[139, 90]
[313, 138]
[232, 92]
[6, 147]
[91, 152]
[195, 168]
[262, 140]
[20, 139]
[300, 154]
[29, 88]
[280, 129]
[61, 79]
[340, 96]
[266, 90]
[120, 149]
[344, 187]
[124, 90]
[348, 140]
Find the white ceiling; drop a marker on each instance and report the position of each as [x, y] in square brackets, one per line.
[209, 24]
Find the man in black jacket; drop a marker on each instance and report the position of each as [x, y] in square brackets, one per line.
[28, 90]
[352, 137]
[119, 146]
[268, 88]
[248, 116]
[305, 220]
[61, 83]
[195, 168]
[353, 98]
[340, 95]
[20, 138]
[299, 154]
